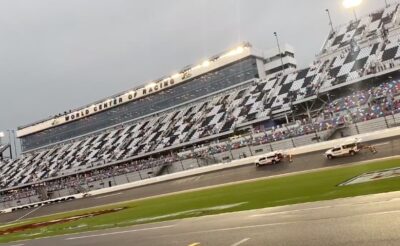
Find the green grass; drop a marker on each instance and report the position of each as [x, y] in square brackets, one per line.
[299, 188]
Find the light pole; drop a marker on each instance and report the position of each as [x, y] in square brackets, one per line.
[352, 4]
[1, 142]
[279, 50]
[9, 143]
[330, 19]
[1, 137]
[355, 14]
[15, 142]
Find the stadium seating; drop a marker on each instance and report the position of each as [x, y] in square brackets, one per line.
[214, 115]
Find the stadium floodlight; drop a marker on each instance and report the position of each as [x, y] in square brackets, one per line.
[234, 52]
[175, 76]
[352, 4]
[151, 85]
[240, 49]
[206, 63]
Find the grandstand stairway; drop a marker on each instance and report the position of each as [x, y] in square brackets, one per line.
[337, 132]
[42, 192]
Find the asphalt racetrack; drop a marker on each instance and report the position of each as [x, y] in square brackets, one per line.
[364, 220]
[386, 148]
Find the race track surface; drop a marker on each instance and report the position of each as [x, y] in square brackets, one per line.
[386, 148]
[367, 220]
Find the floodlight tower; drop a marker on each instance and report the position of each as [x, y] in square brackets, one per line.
[352, 4]
[330, 19]
[279, 50]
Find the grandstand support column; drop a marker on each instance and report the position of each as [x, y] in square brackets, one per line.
[215, 159]
[87, 184]
[294, 145]
[316, 136]
[230, 149]
[355, 123]
[249, 145]
[180, 160]
[140, 174]
[115, 181]
[308, 109]
[167, 169]
[386, 122]
[42, 191]
[197, 160]
[127, 178]
[358, 130]
[394, 119]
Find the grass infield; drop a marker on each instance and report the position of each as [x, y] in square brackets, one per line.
[297, 188]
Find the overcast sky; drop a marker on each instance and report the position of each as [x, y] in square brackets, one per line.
[61, 54]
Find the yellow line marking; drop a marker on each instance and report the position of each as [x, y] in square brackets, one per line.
[194, 244]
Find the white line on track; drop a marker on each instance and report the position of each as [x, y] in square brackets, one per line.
[281, 223]
[120, 232]
[246, 227]
[325, 207]
[23, 216]
[116, 194]
[289, 211]
[384, 212]
[241, 242]
[380, 144]
[17, 245]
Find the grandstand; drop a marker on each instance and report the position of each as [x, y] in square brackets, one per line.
[235, 104]
[226, 70]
